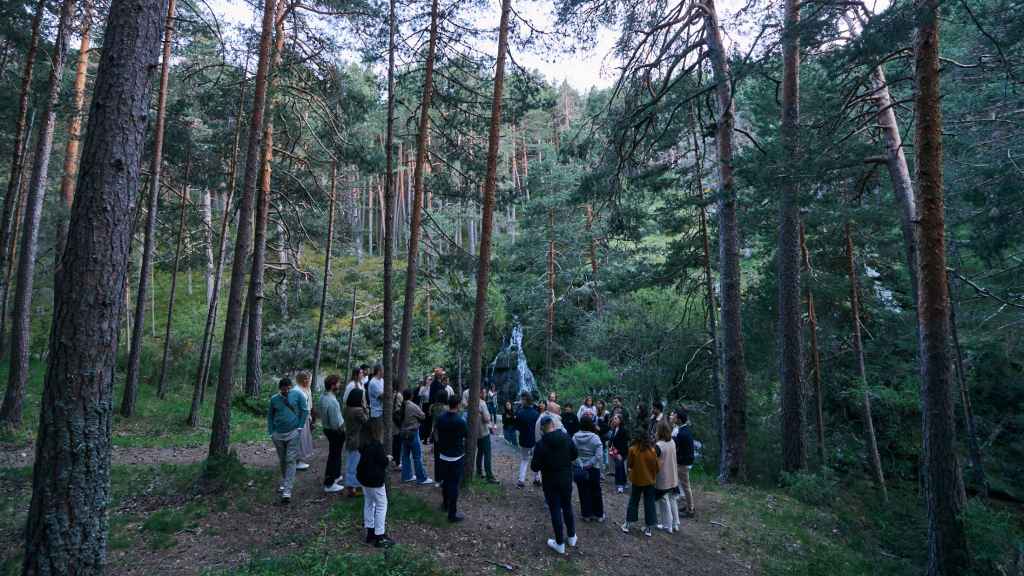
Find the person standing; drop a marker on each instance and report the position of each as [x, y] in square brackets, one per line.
[588, 470]
[412, 451]
[333, 423]
[667, 483]
[569, 420]
[618, 451]
[587, 409]
[552, 410]
[526, 420]
[508, 424]
[371, 473]
[375, 401]
[683, 437]
[483, 441]
[424, 402]
[552, 457]
[643, 473]
[450, 433]
[356, 416]
[303, 381]
[286, 415]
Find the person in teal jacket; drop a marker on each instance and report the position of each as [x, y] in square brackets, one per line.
[285, 418]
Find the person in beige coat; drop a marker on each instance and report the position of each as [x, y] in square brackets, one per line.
[412, 418]
[667, 483]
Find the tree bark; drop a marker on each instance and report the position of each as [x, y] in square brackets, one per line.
[10, 412]
[206, 349]
[71, 149]
[254, 348]
[487, 225]
[206, 216]
[812, 321]
[66, 528]
[944, 495]
[10, 249]
[416, 214]
[973, 445]
[858, 351]
[131, 383]
[734, 386]
[327, 273]
[388, 215]
[221, 427]
[12, 200]
[161, 388]
[794, 441]
[549, 329]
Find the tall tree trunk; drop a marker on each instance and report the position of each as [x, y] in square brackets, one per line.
[388, 214]
[67, 183]
[709, 289]
[221, 428]
[899, 173]
[794, 441]
[161, 388]
[206, 215]
[592, 244]
[812, 321]
[10, 412]
[858, 351]
[131, 382]
[973, 445]
[327, 273]
[416, 216]
[734, 375]
[487, 224]
[549, 329]
[66, 528]
[10, 248]
[206, 349]
[12, 200]
[254, 348]
[944, 495]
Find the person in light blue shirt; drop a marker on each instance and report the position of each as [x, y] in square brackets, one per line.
[375, 396]
[285, 418]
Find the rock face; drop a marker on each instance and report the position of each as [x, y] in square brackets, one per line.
[509, 373]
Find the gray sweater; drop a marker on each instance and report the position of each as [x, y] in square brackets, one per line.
[330, 412]
[590, 449]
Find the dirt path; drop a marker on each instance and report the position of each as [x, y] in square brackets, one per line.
[508, 526]
[256, 454]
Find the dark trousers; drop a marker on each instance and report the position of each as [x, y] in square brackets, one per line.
[483, 456]
[451, 475]
[591, 499]
[620, 471]
[633, 510]
[396, 447]
[559, 500]
[336, 439]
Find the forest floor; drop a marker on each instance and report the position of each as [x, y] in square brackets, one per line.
[159, 525]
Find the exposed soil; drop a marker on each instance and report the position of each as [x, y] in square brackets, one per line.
[505, 527]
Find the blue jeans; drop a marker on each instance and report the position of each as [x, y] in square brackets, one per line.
[351, 463]
[412, 455]
[510, 436]
[559, 500]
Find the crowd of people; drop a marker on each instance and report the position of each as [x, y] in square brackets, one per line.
[649, 454]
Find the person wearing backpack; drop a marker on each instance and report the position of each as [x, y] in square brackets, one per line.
[683, 437]
[356, 416]
[286, 416]
[371, 472]
[526, 421]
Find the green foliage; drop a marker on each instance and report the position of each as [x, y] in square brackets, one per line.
[323, 560]
[586, 377]
[402, 507]
[995, 537]
[161, 526]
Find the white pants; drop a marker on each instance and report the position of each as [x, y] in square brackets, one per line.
[375, 509]
[668, 510]
[525, 454]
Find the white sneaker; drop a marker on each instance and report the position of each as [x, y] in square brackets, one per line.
[302, 466]
[559, 548]
[572, 541]
[625, 527]
[280, 488]
[333, 488]
[647, 531]
[675, 528]
[426, 482]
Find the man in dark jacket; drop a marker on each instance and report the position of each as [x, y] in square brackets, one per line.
[570, 421]
[683, 438]
[553, 457]
[450, 433]
[526, 422]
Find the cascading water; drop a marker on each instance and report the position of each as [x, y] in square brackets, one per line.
[509, 373]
